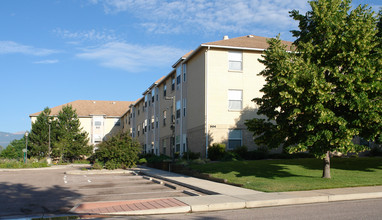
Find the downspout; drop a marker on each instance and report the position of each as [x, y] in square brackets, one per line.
[155, 122]
[206, 98]
[181, 108]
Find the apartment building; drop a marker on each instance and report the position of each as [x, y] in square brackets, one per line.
[207, 96]
[99, 119]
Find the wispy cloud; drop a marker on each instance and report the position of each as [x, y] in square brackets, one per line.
[9, 47]
[46, 62]
[130, 57]
[229, 16]
[86, 35]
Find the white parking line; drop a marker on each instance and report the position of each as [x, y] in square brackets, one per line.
[65, 181]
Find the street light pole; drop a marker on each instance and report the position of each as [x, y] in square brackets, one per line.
[172, 126]
[26, 146]
[49, 160]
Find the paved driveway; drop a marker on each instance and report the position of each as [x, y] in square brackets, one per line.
[34, 192]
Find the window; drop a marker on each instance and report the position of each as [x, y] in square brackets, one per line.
[184, 72]
[164, 90]
[164, 117]
[117, 122]
[156, 122]
[184, 143]
[234, 139]
[235, 99]
[153, 95]
[178, 109]
[235, 60]
[152, 122]
[138, 130]
[173, 84]
[178, 75]
[164, 144]
[184, 107]
[177, 143]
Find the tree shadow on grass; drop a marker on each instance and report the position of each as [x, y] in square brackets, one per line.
[365, 164]
[22, 199]
[272, 169]
[267, 170]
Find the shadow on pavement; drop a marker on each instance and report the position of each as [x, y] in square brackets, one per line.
[23, 199]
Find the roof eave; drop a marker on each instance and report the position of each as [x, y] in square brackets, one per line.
[232, 47]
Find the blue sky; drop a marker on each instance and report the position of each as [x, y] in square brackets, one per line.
[56, 51]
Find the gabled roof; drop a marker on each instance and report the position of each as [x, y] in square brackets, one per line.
[245, 42]
[86, 108]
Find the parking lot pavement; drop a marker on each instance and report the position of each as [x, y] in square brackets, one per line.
[53, 191]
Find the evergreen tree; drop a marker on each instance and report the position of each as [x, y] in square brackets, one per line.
[38, 139]
[72, 141]
[326, 92]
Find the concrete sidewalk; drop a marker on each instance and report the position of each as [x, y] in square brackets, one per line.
[220, 197]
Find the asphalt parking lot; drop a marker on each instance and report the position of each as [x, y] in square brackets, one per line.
[56, 191]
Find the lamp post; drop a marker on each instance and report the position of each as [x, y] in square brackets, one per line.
[172, 126]
[49, 160]
[26, 147]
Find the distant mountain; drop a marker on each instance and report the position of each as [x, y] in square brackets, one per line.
[6, 138]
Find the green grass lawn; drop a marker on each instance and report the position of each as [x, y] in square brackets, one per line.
[296, 174]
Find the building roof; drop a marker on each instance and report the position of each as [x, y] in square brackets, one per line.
[249, 42]
[86, 108]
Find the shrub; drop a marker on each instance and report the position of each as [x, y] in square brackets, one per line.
[112, 165]
[376, 151]
[97, 165]
[142, 161]
[31, 163]
[242, 152]
[152, 158]
[190, 155]
[120, 149]
[216, 151]
[231, 156]
[257, 155]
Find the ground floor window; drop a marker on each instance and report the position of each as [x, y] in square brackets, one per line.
[235, 138]
[164, 146]
[177, 142]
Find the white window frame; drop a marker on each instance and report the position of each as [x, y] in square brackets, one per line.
[184, 71]
[235, 137]
[184, 107]
[234, 97]
[235, 58]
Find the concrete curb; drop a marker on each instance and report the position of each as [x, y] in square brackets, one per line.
[179, 183]
[97, 172]
[172, 210]
[53, 167]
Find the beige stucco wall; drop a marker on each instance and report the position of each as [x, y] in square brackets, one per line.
[220, 80]
[195, 90]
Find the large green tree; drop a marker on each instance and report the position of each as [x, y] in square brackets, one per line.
[38, 139]
[328, 90]
[14, 150]
[72, 141]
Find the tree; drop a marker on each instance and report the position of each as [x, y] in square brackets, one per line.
[38, 139]
[72, 142]
[328, 90]
[119, 151]
[14, 150]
